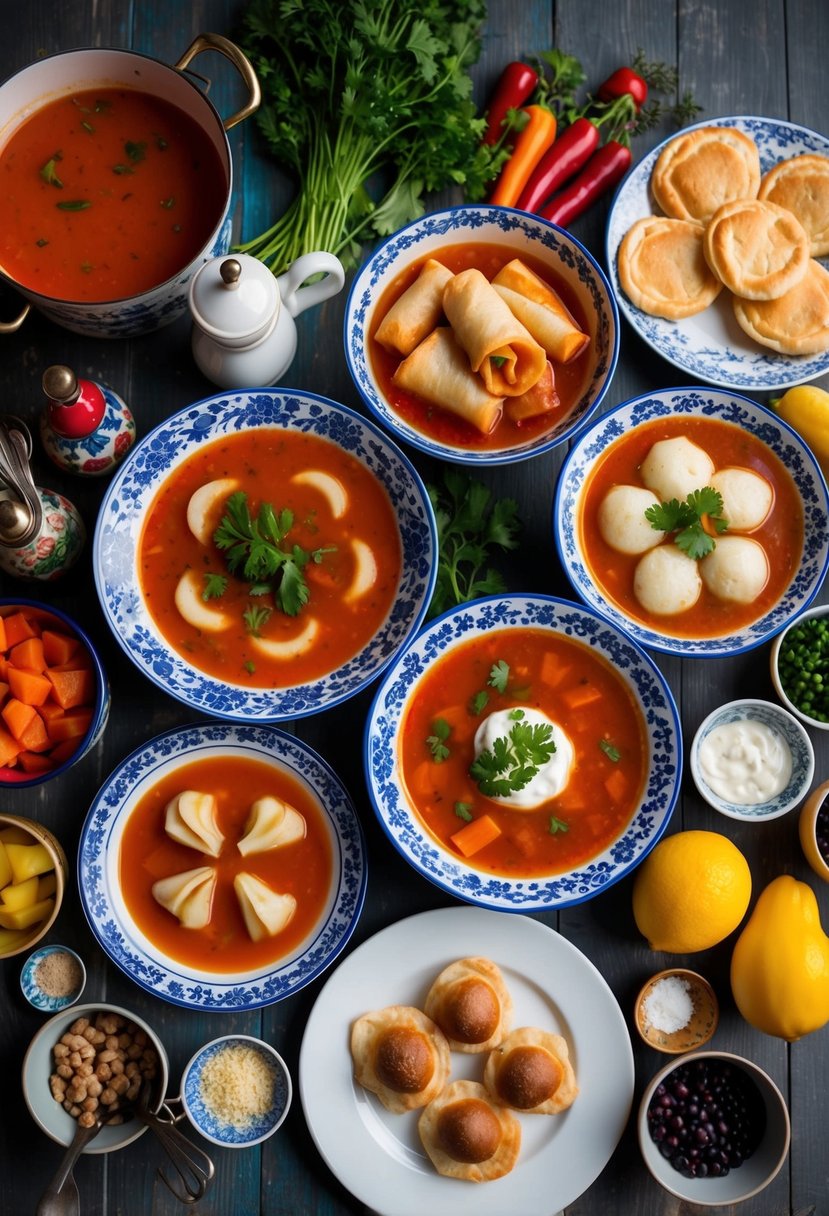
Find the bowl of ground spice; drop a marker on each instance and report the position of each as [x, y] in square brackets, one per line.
[676, 1011]
[236, 1091]
[53, 978]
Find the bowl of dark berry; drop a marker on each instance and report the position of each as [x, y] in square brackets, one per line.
[799, 663]
[814, 830]
[713, 1129]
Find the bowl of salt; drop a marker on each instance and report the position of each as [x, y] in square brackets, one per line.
[676, 1011]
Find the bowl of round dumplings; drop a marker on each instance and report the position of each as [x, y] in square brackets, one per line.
[694, 519]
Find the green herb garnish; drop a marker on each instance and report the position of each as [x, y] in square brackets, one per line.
[136, 152]
[557, 825]
[87, 126]
[102, 107]
[40, 242]
[463, 810]
[497, 360]
[49, 173]
[436, 742]
[687, 519]
[168, 203]
[514, 759]
[122, 169]
[74, 204]
[499, 676]
[250, 667]
[214, 586]
[478, 703]
[161, 143]
[609, 750]
[256, 618]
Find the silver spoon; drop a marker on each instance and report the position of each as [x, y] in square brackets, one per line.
[61, 1196]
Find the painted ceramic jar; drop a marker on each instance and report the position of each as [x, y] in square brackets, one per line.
[56, 546]
[86, 428]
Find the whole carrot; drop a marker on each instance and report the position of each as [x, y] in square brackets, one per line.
[531, 143]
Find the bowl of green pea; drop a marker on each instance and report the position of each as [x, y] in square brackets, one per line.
[799, 663]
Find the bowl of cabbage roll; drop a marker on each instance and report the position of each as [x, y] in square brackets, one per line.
[481, 335]
[694, 519]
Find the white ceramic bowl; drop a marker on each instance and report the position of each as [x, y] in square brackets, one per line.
[521, 234]
[210, 1125]
[709, 403]
[132, 490]
[447, 869]
[142, 960]
[755, 1173]
[32, 989]
[786, 730]
[774, 664]
[38, 1066]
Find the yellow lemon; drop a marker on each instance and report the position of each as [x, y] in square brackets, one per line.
[691, 891]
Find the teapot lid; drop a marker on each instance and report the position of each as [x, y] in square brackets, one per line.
[234, 298]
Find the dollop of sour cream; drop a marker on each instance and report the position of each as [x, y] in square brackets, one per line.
[745, 762]
[550, 779]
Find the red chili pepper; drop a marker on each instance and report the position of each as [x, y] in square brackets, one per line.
[515, 85]
[605, 168]
[625, 81]
[572, 149]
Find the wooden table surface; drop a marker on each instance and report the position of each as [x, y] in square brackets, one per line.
[764, 58]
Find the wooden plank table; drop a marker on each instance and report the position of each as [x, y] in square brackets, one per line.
[761, 59]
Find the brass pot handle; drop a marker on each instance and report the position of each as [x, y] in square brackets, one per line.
[216, 42]
[11, 327]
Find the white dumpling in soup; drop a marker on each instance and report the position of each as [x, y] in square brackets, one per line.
[622, 521]
[666, 582]
[674, 468]
[190, 819]
[271, 824]
[188, 895]
[737, 569]
[266, 912]
[746, 498]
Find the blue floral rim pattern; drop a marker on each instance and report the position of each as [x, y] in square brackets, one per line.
[204, 1118]
[446, 870]
[706, 403]
[32, 991]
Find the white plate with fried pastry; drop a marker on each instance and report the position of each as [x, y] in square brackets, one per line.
[378, 1155]
[711, 345]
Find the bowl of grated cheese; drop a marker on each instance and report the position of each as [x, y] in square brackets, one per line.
[236, 1091]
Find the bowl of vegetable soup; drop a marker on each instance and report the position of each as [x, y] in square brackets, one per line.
[264, 554]
[694, 519]
[481, 335]
[490, 736]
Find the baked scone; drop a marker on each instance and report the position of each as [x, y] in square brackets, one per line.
[401, 1056]
[801, 184]
[468, 1136]
[796, 323]
[531, 1072]
[700, 170]
[662, 268]
[470, 1002]
[757, 249]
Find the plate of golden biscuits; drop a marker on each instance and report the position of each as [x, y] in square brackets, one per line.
[718, 252]
[464, 1046]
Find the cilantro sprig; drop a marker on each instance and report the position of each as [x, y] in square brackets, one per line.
[436, 742]
[514, 759]
[688, 519]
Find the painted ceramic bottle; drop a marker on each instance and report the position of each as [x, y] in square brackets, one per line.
[86, 428]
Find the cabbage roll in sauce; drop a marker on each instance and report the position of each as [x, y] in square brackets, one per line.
[417, 312]
[540, 310]
[439, 372]
[499, 347]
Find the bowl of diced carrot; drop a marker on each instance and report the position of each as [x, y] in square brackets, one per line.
[33, 872]
[54, 694]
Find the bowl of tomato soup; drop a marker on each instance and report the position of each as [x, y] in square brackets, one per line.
[117, 179]
[264, 555]
[244, 901]
[694, 519]
[523, 754]
[481, 335]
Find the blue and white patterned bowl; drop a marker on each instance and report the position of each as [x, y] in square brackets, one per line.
[785, 728]
[32, 990]
[711, 346]
[708, 403]
[205, 1120]
[132, 490]
[446, 870]
[522, 234]
[120, 937]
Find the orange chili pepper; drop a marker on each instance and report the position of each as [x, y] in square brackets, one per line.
[531, 143]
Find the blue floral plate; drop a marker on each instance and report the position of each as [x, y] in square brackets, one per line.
[711, 346]
[211, 1125]
[448, 870]
[708, 403]
[99, 861]
[132, 490]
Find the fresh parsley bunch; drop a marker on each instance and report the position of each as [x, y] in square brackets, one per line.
[688, 520]
[514, 759]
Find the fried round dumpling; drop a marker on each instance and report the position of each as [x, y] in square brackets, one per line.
[699, 170]
[801, 184]
[674, 468]
[796, 323]
[531, 1072]
[757, 249]
[471, 1004]
[622, 520]
[467, 1135]
[662, 268]
[401, 1056]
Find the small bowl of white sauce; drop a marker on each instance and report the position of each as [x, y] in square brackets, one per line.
[752, 760]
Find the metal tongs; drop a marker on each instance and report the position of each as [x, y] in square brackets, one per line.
[21, 511]
[193, 1169]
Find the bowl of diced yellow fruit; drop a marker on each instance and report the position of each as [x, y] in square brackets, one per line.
[33, 870]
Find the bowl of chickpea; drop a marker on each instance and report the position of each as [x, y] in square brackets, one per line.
[91, 1061]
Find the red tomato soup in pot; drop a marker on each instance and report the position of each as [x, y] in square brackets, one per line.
[324, 539]
[520, 686]
[301, 869]
[106, 194]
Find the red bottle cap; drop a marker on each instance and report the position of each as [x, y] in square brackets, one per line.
[76, 407]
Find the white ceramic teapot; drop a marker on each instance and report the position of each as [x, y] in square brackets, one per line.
[244, 334]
